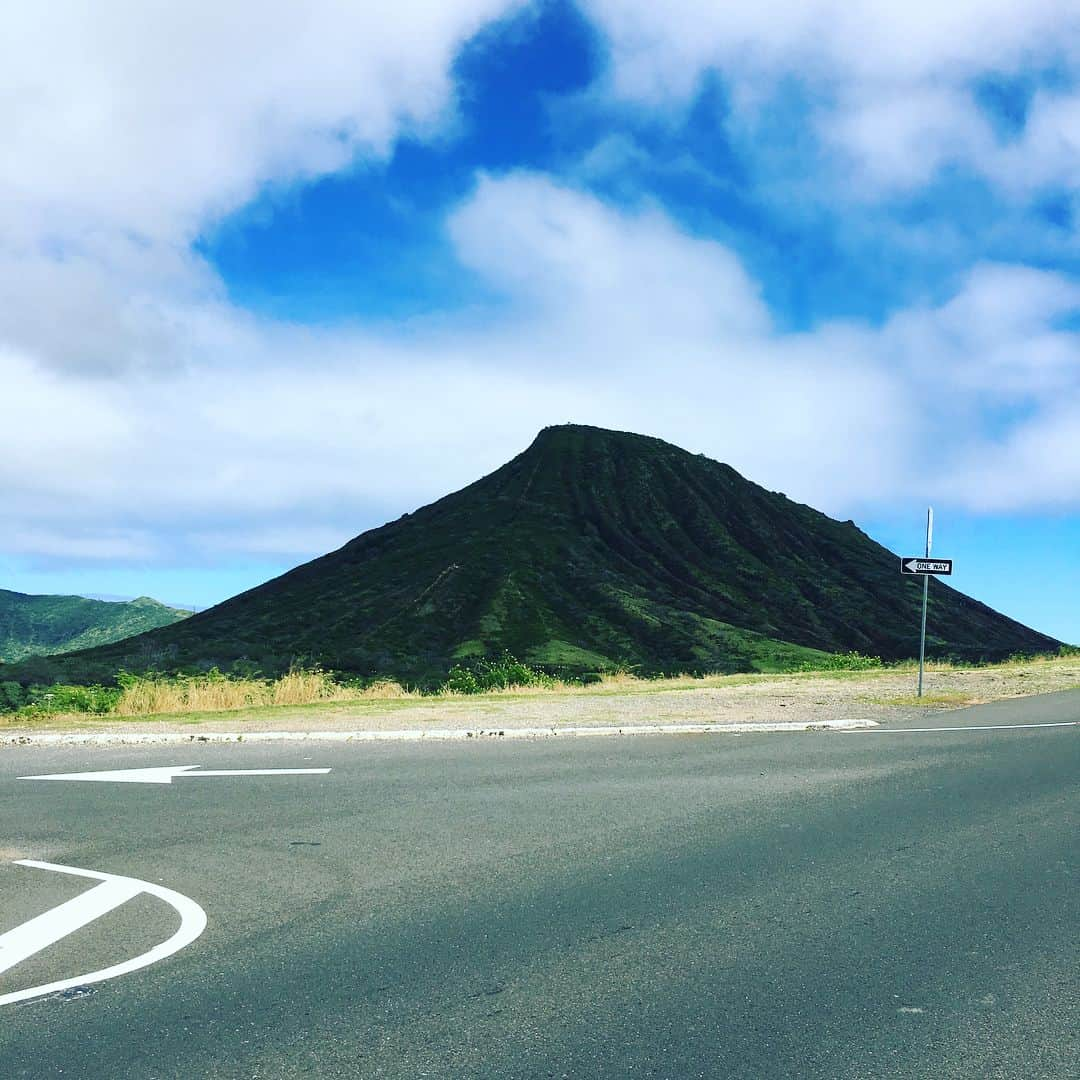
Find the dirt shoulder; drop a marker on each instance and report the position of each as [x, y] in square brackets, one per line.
[883, 696]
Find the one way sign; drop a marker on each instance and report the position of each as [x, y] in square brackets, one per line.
[912, 564]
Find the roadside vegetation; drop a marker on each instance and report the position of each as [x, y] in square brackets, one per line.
[244, 688]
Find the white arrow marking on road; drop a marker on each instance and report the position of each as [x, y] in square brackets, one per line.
[44, 930]
[165, 773]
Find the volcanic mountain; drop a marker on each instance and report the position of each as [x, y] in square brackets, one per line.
[590, 549]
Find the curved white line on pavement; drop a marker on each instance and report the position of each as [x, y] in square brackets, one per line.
[192, 924]
[971, 727]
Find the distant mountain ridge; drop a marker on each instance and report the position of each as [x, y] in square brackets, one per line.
[590, 549]
[46, 625]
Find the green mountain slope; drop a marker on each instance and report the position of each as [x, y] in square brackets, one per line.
[44, 625]
[592, 547]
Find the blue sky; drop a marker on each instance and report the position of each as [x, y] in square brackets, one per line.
[275, 280]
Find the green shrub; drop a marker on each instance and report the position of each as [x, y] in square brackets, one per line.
[847, 661]
[462, 680]
[61, 698]
[12, 697]
[499, 674]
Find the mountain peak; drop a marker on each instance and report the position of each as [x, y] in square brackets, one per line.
[571, 438]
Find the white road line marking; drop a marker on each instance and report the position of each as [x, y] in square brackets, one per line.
[44, 930]
[41, 932]
[255, 772]
[973, 727]
[164, 774]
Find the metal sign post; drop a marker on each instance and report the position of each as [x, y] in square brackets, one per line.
[912, 564]
[925, 594]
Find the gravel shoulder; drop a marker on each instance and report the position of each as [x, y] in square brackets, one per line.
[883, 696]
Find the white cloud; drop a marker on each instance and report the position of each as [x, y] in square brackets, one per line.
[276, 540]
[130, 127]
[558, 249]
[69, 543]
[1047, 153]
[123, 305]
[1000, 339]
[1036, 465]
[900, 136]
[152, 117]
[891, 82]
[661, 50]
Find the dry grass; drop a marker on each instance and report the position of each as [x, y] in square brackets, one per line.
[555, 686]
[618, 680]
[385, 690]
[214, 693]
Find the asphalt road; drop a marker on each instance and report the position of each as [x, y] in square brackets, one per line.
[885, 904]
